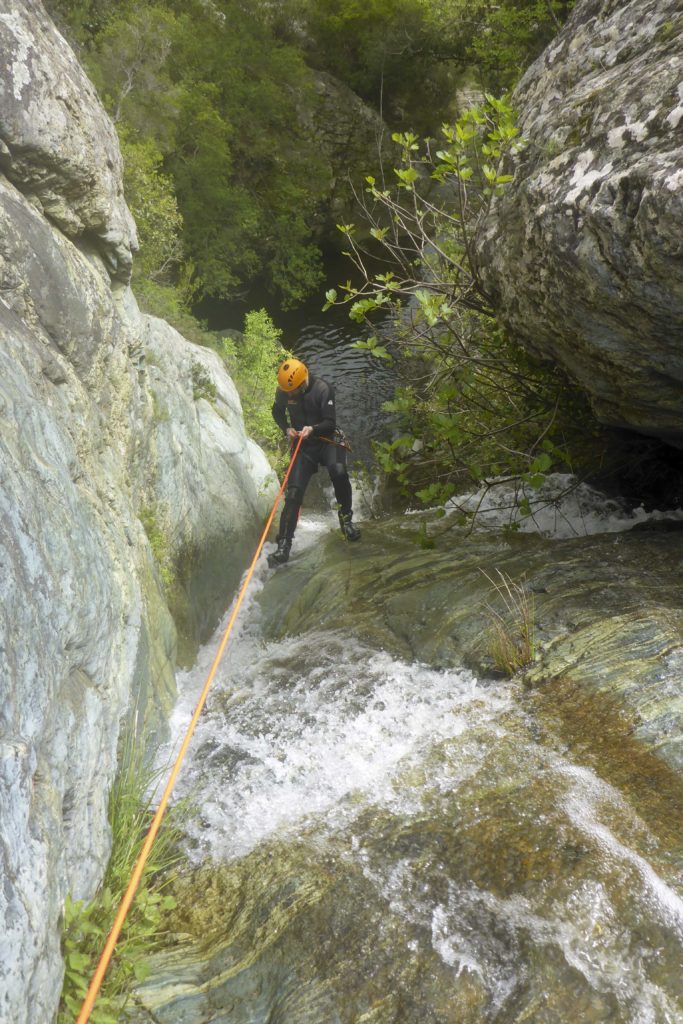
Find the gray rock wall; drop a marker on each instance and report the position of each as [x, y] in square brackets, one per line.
[56, 142]
[100, 424]
[351, 137]
[582, 256]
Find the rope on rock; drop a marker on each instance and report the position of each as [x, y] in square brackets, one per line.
[134, 882]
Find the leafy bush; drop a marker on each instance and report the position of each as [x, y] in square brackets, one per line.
[151, 197]
[215, 103]
[475, 406]
[202, 384]
[258, 355]
[170, 303]
[408, 57]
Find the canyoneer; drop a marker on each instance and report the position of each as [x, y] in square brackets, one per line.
[304, 406]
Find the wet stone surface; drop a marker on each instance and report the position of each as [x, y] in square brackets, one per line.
[386, 838]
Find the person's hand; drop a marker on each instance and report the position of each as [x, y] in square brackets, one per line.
[306, 432]
[292, 433]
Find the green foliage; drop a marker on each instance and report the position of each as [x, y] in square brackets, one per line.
[477, 414]
[511, 34]
[406, 57]
[221, 163]
[152, 520]
[249, 177]
[128, 59]
[258, 355]
[202, 383]
[382, 49]
[87, 925]
[476, 407]
[214, 103]
[170, 303]
[151, 197]
[79, 20]
[512, 625]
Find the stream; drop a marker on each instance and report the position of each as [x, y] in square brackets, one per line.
[379, 839]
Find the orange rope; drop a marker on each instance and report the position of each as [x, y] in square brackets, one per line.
[129, 894]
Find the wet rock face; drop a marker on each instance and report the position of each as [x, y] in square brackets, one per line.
[499, 877]
[99, 434]
[607, 611]
[582, 256]
[109, 420]
[56, 142]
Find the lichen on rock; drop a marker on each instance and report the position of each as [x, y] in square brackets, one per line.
[581, 255]
[57, 144]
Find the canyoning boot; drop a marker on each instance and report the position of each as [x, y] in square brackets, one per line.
[281, 555]
[347, 526]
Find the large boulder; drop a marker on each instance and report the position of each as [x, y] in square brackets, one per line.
[129, 490]
[582, 255]
[350, 136]
[56, 142]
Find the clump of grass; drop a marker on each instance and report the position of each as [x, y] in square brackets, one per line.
[203, 385]
[151, 518]
[512, 629]
[87, 925]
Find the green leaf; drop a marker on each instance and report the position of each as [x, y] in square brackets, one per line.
[407, 176]
[142, 970]
[361, 308]
[331, 297]
[79, 982]
[78, 961]
[541, 463]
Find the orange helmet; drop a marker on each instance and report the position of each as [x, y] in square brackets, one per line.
[291, 375]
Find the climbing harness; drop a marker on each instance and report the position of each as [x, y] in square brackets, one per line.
[129, 895]
[340, 439]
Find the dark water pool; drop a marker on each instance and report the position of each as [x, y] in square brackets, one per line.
[324, 341]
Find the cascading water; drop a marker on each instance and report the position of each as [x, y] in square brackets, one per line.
[479, 871]
[561, 508]
[378, 841]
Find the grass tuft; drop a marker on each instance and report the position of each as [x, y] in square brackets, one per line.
[512, 629]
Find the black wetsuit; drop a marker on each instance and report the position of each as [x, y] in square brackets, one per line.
[314, 407]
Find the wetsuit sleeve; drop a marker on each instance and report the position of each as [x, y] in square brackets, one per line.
[327, 412]
[279, 412]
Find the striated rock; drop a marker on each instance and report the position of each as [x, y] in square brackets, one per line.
[99, 424]
[72, 613]
[608, 613]
[410, 875]
[350, 135]
[56, 142]
[582, 256]
[127, 485]
[207, 485]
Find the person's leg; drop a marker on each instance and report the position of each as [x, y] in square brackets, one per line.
[294, 495]
[342, 492]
